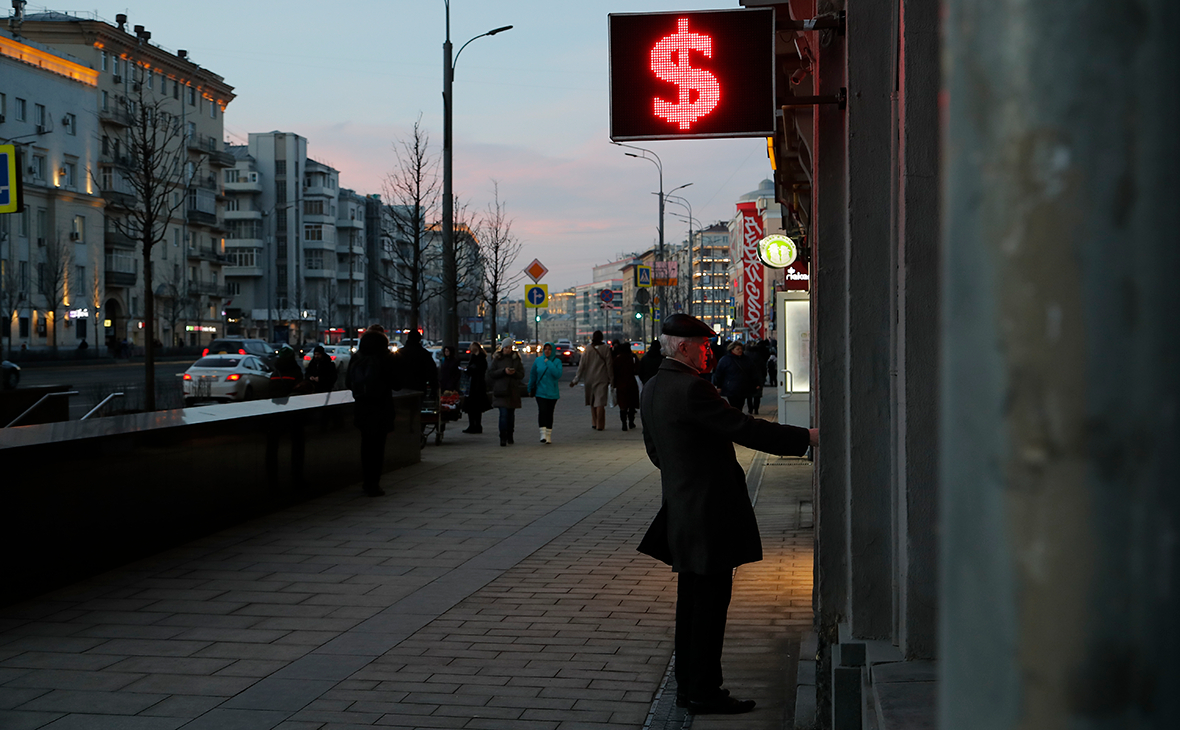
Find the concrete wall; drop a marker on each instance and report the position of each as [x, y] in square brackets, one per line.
[1059, 458]
[83, 497]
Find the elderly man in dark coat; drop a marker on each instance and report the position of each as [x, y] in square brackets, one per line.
[705, 527]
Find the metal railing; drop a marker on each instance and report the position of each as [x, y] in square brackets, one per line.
[104, 401]
[33, 407]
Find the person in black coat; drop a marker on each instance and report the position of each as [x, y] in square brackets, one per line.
[477, 400]
[286, 375]
[734, 376]
[624, 366]
[651, 361]
[705, 526]
[448, 371]
[416, 365]
[372, 377]
[758, 354]
[321, 371]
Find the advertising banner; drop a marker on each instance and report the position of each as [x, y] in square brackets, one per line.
[751, 268]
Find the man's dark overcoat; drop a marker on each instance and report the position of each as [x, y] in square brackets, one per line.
[706, 523]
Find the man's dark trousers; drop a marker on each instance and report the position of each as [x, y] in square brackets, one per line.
[701, 605]
[373, 455]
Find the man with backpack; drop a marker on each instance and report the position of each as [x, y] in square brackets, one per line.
[372, 377]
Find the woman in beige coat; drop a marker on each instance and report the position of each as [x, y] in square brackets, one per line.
[595, 371]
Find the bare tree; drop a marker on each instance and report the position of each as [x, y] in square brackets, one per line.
[499, 249]
[157, 171]
[12, 293]
[175, 304]
[327, 306]
[95, 294]
[53, 272]
[411, 192]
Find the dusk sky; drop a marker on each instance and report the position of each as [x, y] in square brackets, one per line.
[531, 109]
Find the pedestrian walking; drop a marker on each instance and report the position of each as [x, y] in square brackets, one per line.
[321, 371]
[476, 400]
[650, 364]
[506, 376]
[448, 371]
[543, 385]
[759, 353]
[772, 365]
[623, 367]
[286, 374]
[594, 369]
[734, 375]
[372, 377]
[705, 526]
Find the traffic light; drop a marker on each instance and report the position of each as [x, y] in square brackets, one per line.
[638, 311]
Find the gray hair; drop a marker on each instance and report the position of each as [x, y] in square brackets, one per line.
[671, 343]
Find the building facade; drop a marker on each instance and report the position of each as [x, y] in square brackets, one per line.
[51, 253]
[183, 106]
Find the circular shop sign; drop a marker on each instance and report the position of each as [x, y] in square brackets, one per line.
[777, 252]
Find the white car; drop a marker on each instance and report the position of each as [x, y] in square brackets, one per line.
[226, 378]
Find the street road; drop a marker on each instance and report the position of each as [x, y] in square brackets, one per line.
[95, 381]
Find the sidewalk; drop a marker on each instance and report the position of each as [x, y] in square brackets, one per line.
[491, 588]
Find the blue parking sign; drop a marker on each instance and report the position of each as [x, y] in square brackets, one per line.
[10, 180]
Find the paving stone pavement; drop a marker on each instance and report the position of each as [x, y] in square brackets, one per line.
[491, 588]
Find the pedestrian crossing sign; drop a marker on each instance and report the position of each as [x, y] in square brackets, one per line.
[642, 276]
[536, 296]
[10, 180]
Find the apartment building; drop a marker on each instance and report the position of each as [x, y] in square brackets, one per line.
[183, 102]
[51, 253]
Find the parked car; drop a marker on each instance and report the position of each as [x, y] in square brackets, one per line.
[226, 378]
[242, 346]
[9, 375]
[351, 344]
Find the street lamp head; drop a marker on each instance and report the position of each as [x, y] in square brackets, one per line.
[501, 29]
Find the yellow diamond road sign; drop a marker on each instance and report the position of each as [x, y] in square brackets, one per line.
[536, 270]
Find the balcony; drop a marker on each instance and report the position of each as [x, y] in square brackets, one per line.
[201, 217]
[206, 254]
[221, 158]
[244, 186]
[124, 279]
[209, 288]
[115, 117]
[119, 198]
[118, 240]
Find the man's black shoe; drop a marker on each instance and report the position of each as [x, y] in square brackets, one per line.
[720, 705]
[682, 698]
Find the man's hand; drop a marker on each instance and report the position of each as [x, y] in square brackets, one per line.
[573, 383]
[510, 371]
[813, 439]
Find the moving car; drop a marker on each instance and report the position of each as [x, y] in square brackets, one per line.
[566, 352]
[242, 346]
[226, 378]
[639, 348]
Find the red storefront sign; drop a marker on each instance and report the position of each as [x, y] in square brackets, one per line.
[752, 286]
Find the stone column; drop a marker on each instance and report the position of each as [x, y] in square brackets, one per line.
[869, 178]
[917, 328]
[1059, 458]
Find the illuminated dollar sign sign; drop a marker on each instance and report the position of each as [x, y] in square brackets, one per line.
[669, 61]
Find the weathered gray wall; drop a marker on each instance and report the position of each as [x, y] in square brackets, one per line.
[870, 174]
[1060, 580]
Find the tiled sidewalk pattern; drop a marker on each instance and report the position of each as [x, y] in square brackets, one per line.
[491, 588]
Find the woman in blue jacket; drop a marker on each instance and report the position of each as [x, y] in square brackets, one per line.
[543, 385]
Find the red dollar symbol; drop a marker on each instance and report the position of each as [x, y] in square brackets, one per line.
[669, 61]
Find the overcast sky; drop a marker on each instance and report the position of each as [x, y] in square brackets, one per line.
[531, 108]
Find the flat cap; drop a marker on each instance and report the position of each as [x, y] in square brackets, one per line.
[686, 325]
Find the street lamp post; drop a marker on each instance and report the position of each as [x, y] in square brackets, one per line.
[684, 202]
[655, 160]
[450, 269]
